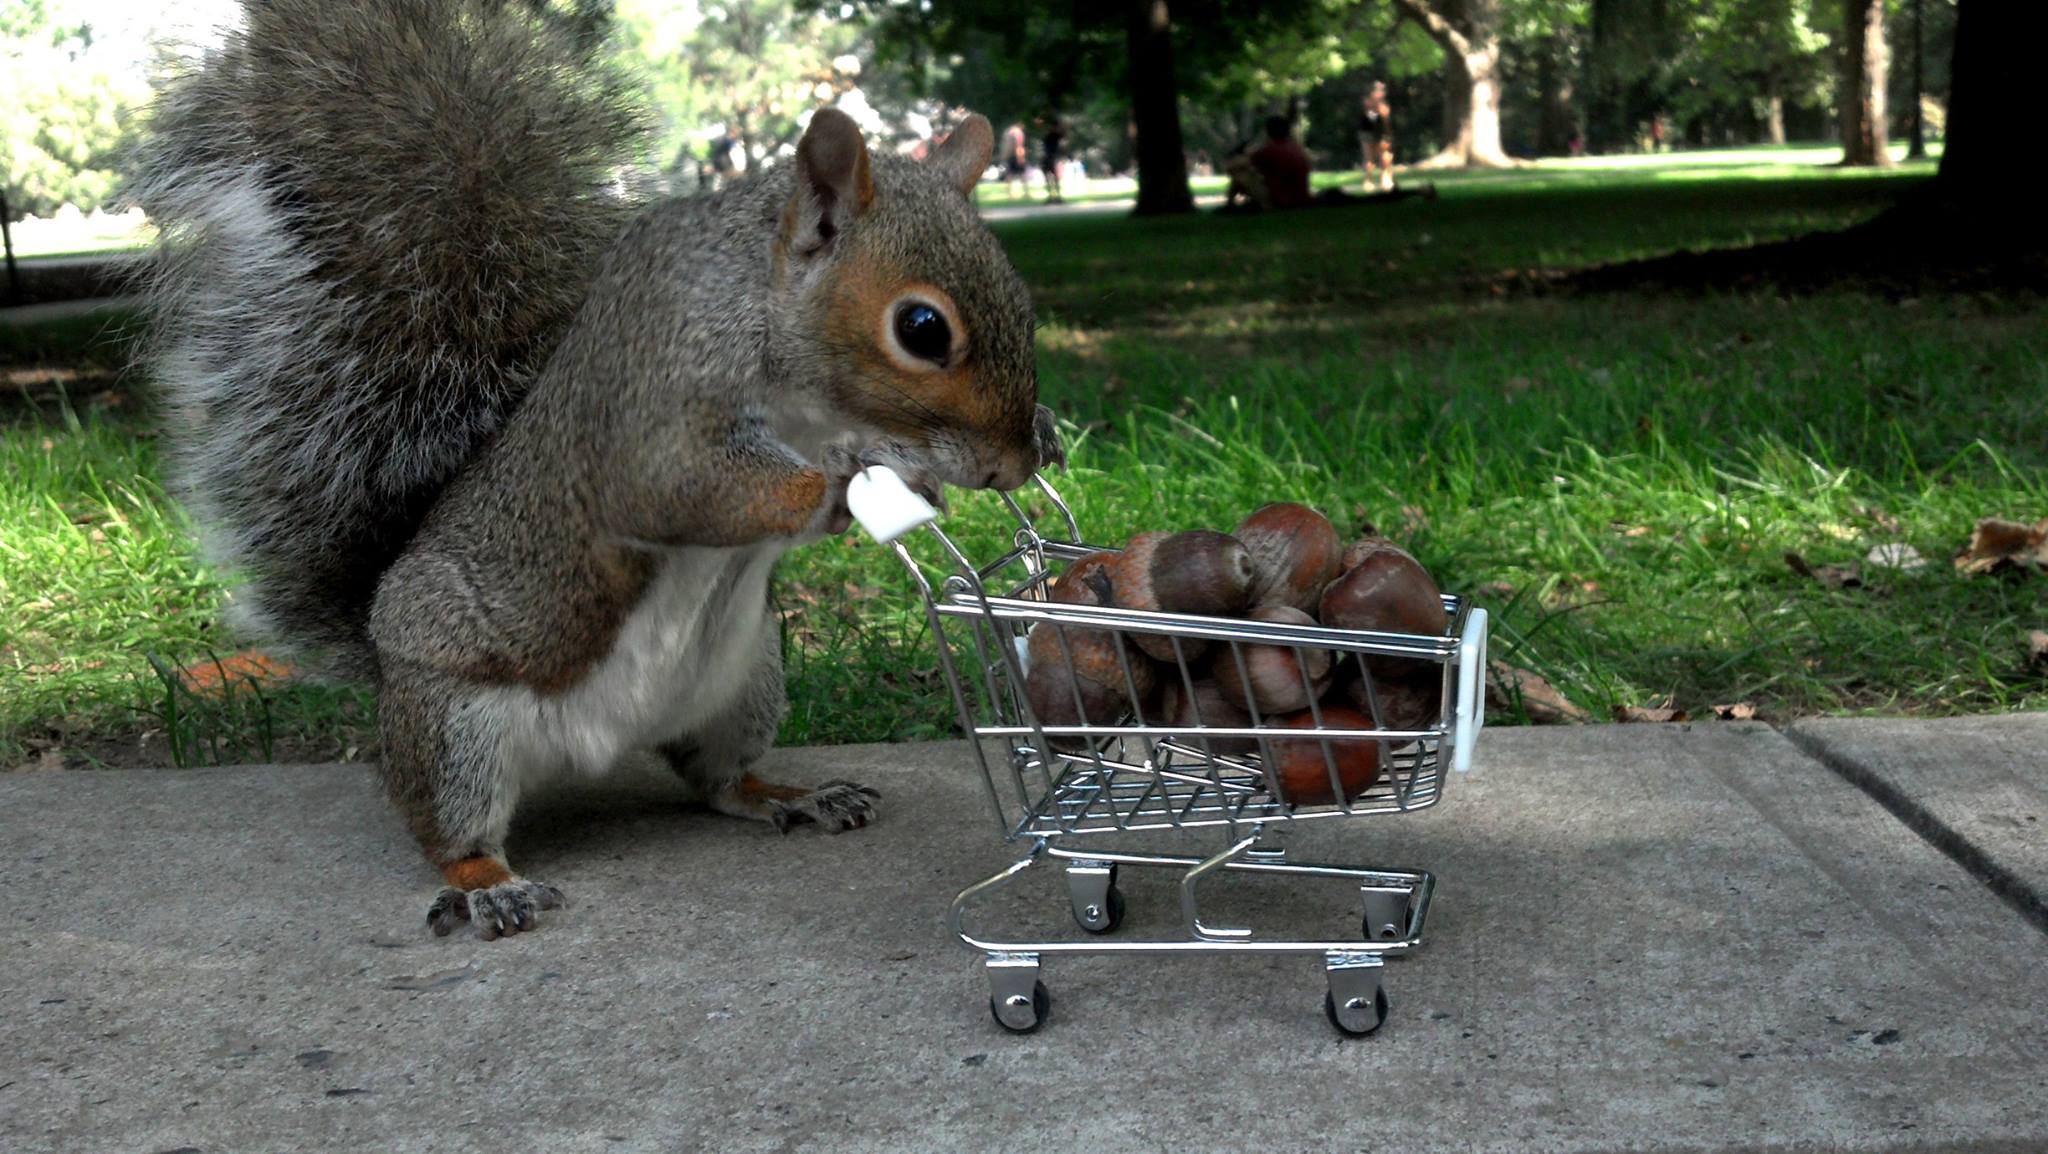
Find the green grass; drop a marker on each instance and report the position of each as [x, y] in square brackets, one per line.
[1617, 477]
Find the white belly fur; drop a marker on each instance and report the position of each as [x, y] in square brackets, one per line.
[681, 658]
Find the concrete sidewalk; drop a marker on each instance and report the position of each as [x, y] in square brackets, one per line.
[1646, 938]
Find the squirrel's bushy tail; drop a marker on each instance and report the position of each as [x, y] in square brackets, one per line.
[376, 219]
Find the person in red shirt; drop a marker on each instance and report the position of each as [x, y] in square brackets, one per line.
[1284, 165]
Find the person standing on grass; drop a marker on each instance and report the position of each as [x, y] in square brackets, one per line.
[1055, 141]
[1014, 158]
[1376, 137]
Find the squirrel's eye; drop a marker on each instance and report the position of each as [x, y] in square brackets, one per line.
[923, 332]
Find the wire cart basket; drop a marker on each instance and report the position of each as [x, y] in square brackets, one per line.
[1074, 788]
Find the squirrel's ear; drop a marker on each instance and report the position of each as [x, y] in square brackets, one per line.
[832, 182]
[965, 154]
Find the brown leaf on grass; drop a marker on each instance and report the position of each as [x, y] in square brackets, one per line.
[1540, 699]
[216, 678]
[2037, 650]
[1736, 711]
[1996, 545]
[1655, 714]
[1849, 576]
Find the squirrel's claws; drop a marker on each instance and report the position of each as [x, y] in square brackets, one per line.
[1046, 430]
[499, 911]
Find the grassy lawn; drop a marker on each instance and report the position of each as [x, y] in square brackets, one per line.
[1617, 477]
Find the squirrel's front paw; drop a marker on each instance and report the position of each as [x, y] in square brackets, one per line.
[496, 911]
[1045, 429]
[915, 473]
[833, 806]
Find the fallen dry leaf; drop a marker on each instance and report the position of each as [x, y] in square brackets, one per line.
[1657, 714]
[1996, 544]
[1540, 699]
[1736, 711]
[212, 678]
[1847, 576]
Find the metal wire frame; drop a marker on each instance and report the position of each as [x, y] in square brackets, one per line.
[1140, 773]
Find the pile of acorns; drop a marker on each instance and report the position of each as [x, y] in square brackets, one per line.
[1284, 564]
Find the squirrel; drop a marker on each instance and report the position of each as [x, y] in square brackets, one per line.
[473, 429]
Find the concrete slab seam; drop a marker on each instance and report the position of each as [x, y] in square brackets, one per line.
[2008, 886]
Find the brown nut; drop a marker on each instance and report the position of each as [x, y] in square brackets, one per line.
[1281, 677]
[1295, 552]
[1207, 707]
[1404, 703]
[1199, 571]
[1091, 689]
[1299, 767]
[1085, 582]
[1386, 591]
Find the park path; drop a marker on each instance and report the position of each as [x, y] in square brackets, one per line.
[1646, 938]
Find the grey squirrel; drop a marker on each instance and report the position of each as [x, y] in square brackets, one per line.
[470, 428]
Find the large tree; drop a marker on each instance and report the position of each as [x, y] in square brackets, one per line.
[1976, 225]
[1155, 111]
[1865, 61]
[65, 110]
[1469, 33]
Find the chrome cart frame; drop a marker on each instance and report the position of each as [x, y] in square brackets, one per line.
[1050, 784]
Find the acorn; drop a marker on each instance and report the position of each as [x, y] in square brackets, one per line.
[1276, 678]
[1095, 677]
[1385, 590]
[1096, 673]
[1208, 707]
[1297, 764]
[1199, 571]
[1295, 552]
[1086, 581]
[1405, 703]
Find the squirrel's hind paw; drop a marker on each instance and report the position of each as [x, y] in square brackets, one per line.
[497, 911]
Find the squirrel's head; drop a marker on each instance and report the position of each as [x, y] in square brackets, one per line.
[926, 327]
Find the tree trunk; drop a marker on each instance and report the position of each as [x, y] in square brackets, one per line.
[1554, 122]
[1865, 131]
[1774, 112]
[1606, 130]
[1976, 227]
[1469, 33]
[1917, 148]
[1991, 114]
[1155, 112]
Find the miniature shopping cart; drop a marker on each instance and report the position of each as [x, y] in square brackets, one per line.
[1078, 792]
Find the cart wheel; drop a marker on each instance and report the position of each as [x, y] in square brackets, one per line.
[1111, 914]
[1356, 1020]
[1021, 1015]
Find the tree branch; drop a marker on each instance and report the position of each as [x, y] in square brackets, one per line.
[1434, 23]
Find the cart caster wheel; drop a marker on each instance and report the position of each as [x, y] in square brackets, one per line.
[1107, 917]
[1021, 1015]
[1356, 1020]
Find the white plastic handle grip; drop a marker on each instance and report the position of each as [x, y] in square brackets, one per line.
[884, 505]
[1471, 716]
